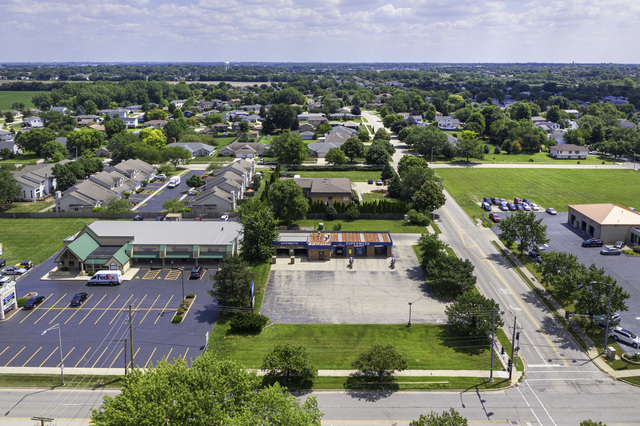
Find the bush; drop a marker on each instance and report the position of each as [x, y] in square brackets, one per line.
[180, 310]
[417, 218]
[139, 190]
[176, 319]
[145, 182]
[330, 212]
[91, 272]
[127, 194]
[64, 268]
[22, 301]
[337, 226]
[248, 323]
[190, 296]
[97, 209]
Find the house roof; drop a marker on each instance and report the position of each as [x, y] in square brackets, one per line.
[324, 146]
[193, 146]
[608, 213]
[83, 246]
[336, 137]
[569, 147]
[169, 232]
[323, 186]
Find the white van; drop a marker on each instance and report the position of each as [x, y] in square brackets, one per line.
[174, 181]
[106, 278]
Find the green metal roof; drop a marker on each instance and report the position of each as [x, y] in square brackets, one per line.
[83, 246]
[121, 255]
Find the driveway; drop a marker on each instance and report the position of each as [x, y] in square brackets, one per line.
[320, 292]
[154, 204]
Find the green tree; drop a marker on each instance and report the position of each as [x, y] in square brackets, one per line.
[209, 392]
[447, 418]
[211, 119]
[592, 296]
[377, 154]
[471, 315]
[142, 151]
[287, 202]
[173, 205]
[289, 365]
[413, 180]
[426, 140]
[524, 229]
[452, 277]
[8, 117]
[590, 422]
[260, 230]
[154, 137]
[408, 162]
[281, 116]
[289, 148]
[35, 139]
[117, 205]
[364, 136]
[232, 285]
[520, 111]
[85, 139]
[387, 172]
[175, 128]
[155, 114]
[335, 156]
[381, 133]
[431, 252]
[560, 270]
[114, 126]
[323, 128]
[353, 148]
[380, 360]
[54, 151]
[194, 181]
[176, 155]
[65, 177]
[469, 145]
[429, 197]
[9, 188]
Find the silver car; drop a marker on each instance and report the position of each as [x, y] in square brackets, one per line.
[623, 335]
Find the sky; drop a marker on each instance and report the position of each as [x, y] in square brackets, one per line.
[582, 31]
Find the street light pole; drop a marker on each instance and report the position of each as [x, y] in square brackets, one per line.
[57, 326]
[409, 324]
[182, 274]
[606, 333]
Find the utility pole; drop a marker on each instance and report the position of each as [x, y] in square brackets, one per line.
[493, 340]
[131, 336]
[125, 356]
[513, 345]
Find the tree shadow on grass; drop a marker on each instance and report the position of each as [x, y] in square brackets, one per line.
[369, 388]
[473, 345]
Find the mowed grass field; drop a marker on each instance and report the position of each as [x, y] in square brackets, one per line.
[8, 98]
[36, 239]
[545, 187]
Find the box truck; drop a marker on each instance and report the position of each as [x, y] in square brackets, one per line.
[106, 278]
[174, 181]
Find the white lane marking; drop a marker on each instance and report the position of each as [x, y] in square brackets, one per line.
[541, 404]
[545, 365]
[528, 405]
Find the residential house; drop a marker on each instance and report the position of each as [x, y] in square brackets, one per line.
[155, 124]
[307, 136]
[306, 127]
[178, 103]
[251, 108]
[33, 122]
[244, 149]
[628, 124]
[131, 122]
[133, 108]
[320, 149]
[305, 116]
[314, 121]
[113, 113]
[102, 152]
[569, 151]
[6, 136]
[220, 127]
[237, 115]
[329, 190]
[572, 112]
[37, 181]
[196, 149]
[60, 109]
[547, 126]
[87, 120]
[447, 122]
[336, 137]
[221, 191]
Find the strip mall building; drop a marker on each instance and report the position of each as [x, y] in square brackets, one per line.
[323, 245]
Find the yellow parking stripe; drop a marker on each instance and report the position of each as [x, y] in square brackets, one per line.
[85, 354]
[134, 357]
[47, 358]
[105, 311]
[173, 275]
[69, 353]
[185, 354]
[14, 357]
[165, 307]
[47, 311]
[120, 310]
[105, 349]
[150, 356]
[91, 310]
[34, 354]
[33, 310]
[115, 359]
[151, 274]
[167, 358]
[149, 310]
[5, 349]
[77, 310]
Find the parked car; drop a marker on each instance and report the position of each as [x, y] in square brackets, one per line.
[33, 302]
[159, 218]
[495, 201]
[161, 176]
[494, 217]
[613, 321]
[487, 200]
[192, 191]
[486, 206]
[502, 200]
[13, 270]
[526, 207]
[78, 299]
[526, 201]
[610, 251]
[618, 244]
[592, 242]
[4, 279]
[519, 207]
[370, 181]
[534, 207]
[198, 218]
[504, 207]
[196, 273]
[551, 211]
[511, 206]
[26, 264]
[517, 201]
[625, 336]
[138, 217]
[224, 218]
[379, 182]
[534, 255]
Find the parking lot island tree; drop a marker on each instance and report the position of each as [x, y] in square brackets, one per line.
[523, 228]
[471, 314]
[289, 365]
[380, 360]
[209, 392]
[287, 202]
[232, 284]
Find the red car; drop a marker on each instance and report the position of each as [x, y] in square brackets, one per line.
[494, 217]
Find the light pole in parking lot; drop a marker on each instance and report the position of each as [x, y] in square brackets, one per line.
[182, 274]
[57, 326]
[606, 331]
[409, 324]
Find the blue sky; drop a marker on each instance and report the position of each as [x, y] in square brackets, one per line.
[320, 31]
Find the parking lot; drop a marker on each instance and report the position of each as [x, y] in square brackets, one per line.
[94, 334]
[370, 293]
[154, 204]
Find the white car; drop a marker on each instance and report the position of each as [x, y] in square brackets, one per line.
[224, 218]
[620, 334]
[526, 207]
[4, 279]
[13, 270]
[534, 207]
[161, 176]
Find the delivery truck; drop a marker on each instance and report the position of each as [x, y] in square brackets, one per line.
[106, 278]
[174, 181]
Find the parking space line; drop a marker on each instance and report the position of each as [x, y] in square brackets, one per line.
[105, 349]
[81, 358]
[134, 357]
[204, 272]
[173, 275]
[31, 313]
[5, 349]
[91, 310]
[149, 310]
[48, 309]
[185, 354]
[77, 310]
[69, 353]
[136, 308]
[149, 360]
[14, 357]
[151, 274]
[120, 310]
[62, 310]
[165, 307]
[47, 358]
[34, 354]
[105, 311]
[167, 358]
[116, 358]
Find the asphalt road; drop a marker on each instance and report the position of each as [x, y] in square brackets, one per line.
[154, 204]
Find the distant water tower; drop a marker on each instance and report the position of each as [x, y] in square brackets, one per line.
[226, 66]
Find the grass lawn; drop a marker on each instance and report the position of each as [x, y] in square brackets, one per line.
[36, 239]
[545, 187]
[354, 176]
[335, 346]
[9, 97]
[538, 157]
[27, 159]
[224, 141]
[393, 226]
[30, 207]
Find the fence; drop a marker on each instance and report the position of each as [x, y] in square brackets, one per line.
[97, 215]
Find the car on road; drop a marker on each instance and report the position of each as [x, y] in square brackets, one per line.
[623, 335]
[618, 244]
[224, 218]
[26, 264]
[196, 273]
[494, 217]
[370, 182]
[78, 299]
[379, 182]
[551, 211]
[4, 279]
[485, 206]
[610, 251]
[592, 242]
[504, 207]
[534, 207]
[13, 270]
[33, 302]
